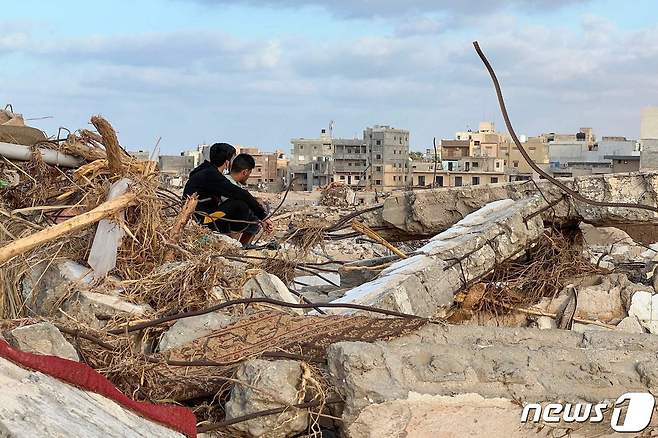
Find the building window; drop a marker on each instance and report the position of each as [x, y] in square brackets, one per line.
[378, 142]
[379, 156]
[477, 142]
[516, 164]
[476, 180]
[439, 181]
[378, 168]
[494, 179]
[476, 164]
[301, 147]
[497, 164]
[421, 180]
[342, 177]
[458, 181]
[378, 182]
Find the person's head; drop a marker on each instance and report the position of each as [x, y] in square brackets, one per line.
[241, 167]
[221, 155]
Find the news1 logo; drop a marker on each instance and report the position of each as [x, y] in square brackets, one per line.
[638, 414]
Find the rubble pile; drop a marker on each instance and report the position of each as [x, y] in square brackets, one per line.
[500, 296]
[337, 194]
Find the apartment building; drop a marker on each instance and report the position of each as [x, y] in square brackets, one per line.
[388, 157]
[350, 161]
[311, 162]
[271, 169]
[378, 161]
[516, 166]
[422, 174]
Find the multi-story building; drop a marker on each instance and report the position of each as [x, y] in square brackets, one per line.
[310, 162]
[271, 168]
[516, 166]
[350, 161]
[378, 161]
[388, 157]
[423, 173]
[585, 156]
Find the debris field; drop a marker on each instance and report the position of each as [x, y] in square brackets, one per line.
[368, 320]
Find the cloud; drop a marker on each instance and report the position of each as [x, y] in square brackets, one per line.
[196, 86]
[397, 8]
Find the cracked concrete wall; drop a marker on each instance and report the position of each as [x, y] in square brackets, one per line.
[427, 212]
[425, 284]
[527, 365]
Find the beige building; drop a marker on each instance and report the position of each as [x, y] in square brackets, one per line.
[422, 174]
[649, 123]
[388, 157]
[516, 166]
[455, 149]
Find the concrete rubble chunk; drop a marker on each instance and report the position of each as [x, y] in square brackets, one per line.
[94, 308]
[644, 306]
[425, 284]
[265, 285]
[601, 298]
[630, 324]
[270, 385]
[610, 247]
[432, 415]
[187, 330]
[427, 212]
[43, 338]
[45, 284]
[529, 365]
[33, 404]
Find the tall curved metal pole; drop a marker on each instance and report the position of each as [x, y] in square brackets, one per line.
[532, 164]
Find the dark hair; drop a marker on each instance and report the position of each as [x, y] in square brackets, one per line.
[221, 153]
[243, 162]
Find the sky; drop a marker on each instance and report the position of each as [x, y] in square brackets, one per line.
[260, 72]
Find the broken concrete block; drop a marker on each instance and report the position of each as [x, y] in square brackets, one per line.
[528, 365]
[43, 338]
[265, 285]
[601, 298]
[644, 306]
[94, 308]
[425, 284]
[610, 247]
[427, 212]
[33, 404]
[630, 324]
[45, 284]
[270, 385]
[546, 323]
[187, 330]
[422, 415]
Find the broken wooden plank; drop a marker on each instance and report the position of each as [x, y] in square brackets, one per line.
[49, 234]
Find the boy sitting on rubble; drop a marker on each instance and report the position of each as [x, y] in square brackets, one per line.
[224, 206]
